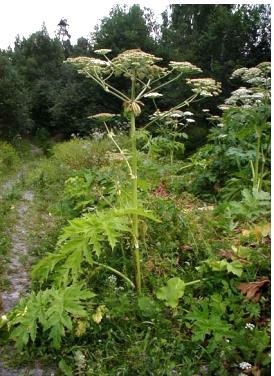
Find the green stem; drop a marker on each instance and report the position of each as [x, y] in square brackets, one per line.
[171, 156]
[256, 167]
[262, 171]
[165, 84]
[111, 136]
[100, 82]
[252, 170]
[116, 272]
[194, 282]
[180, 105]
[135, 230]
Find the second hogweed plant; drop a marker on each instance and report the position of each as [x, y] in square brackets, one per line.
[85, 239]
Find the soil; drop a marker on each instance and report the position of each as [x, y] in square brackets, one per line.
[18, 277]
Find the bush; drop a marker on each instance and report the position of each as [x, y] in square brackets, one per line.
[79, 153]
[9, 158]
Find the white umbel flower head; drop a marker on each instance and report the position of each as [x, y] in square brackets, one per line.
[188, 120]
[184, 67]
[176, 114]
[153, 95]
[102, 51]
[238, 73]
[88, 66]
[128, 62]
[245, 365]
[188, 113]
[206, 87]
[249, 326]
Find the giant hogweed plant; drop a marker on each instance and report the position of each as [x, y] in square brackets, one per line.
[87, 236]
[242, 135]
[86, 240]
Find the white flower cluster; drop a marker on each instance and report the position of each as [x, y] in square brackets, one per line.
[112, 279]
[206, 87]
[223, 107]
[258, 76]
[245, 365]
[102, 51]
[249, 326]
[188, 119]
[98, 135]
[238, 73]
[174, 116]
[88, 65]
[184, 67]
[135, 60]
[214, 118]
[153, 95]
[80, 360]
[245, 97]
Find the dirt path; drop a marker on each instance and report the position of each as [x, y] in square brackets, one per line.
[17, 274]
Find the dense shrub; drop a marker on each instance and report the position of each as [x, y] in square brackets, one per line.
[78, 153]
[9, 158]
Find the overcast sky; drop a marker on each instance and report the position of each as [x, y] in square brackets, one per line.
[25, 17]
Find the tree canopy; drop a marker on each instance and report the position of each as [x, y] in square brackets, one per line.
[37, 91]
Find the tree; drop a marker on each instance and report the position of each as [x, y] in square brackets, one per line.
[217, 37]
[14, 103]
[117, 32]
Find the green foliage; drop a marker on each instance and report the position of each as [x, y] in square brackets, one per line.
[82, 238]
[208, 35]
[238, 155]
[89, 190]
[253, 206]
[78, 154]
[207, 333]
[14, 105]
[234, 267]
[9, 158]
[148, 306]
[116, 32]
[207, 318]
[52, 310]
[172, 292]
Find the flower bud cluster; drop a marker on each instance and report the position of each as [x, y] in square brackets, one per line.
[206, 87]
[184, 67]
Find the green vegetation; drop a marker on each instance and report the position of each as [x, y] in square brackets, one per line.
[148, 253]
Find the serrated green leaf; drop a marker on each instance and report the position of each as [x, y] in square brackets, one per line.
[52, 308]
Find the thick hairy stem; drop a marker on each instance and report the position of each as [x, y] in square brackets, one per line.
[135, 230]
